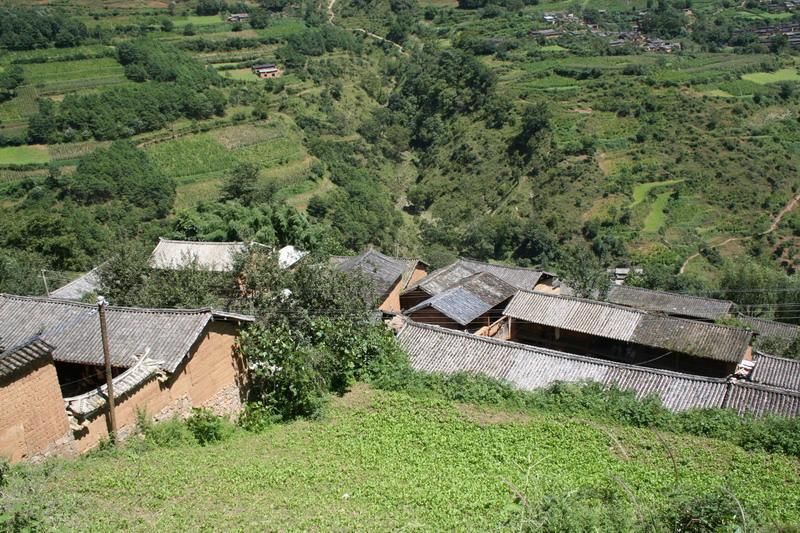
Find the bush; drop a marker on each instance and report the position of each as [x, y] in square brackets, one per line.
[169, 434]
[257, 417]
[206, 427]
[712, 511]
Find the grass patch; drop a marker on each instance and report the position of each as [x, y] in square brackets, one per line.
[656, 217]
[641, 190]
[385, 461]
[763, 78]
[24, 155]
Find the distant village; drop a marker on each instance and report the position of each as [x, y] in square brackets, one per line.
[519, 325]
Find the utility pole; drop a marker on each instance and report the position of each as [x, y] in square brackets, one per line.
[101, 309]
[44, 278]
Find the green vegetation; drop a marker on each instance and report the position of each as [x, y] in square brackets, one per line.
[786, 74]
[471, 468]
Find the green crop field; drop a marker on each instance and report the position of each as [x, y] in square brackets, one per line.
[786, 74]
[380, 461]
[641, 191]
[23, 155]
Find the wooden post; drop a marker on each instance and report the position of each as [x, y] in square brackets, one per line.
[44, 279]
[101, 309]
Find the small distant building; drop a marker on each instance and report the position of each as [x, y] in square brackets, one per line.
[80, 287]
[473, 303]
[266, 70]
[609, 331]
[390, 275]
[682, 305]
[164, 362]
[238, 17]
[449, 276]
[620, 274]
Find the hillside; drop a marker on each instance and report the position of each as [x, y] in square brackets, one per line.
[482, 137]
[380, 460]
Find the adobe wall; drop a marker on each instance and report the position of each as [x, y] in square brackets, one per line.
[32, 416]
[210, 378]
[391, 304]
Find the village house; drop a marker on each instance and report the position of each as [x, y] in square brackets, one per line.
[682, 305]
[214, 256]
[390, 275]
[165, 361]
[618, 333]
[85, 285]
[238, 17]
[445, 351]
[444, 278]
[32, 416]
[770, 328]
[472, 303]
[266, 70]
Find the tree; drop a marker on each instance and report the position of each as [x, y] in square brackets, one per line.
[241, 183]
[210, 7]
[582, 272]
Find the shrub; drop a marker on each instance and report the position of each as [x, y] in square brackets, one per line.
[712, 511]
[169, 434]
[206, 427]
[257, 417]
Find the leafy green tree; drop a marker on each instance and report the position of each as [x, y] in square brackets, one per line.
[582, 272]
[241, 183]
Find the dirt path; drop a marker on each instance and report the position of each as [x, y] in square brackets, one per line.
[331, 15]
[776, 221]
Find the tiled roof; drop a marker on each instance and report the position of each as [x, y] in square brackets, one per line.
[777, 371]
[384, 270]
[771, 328]
[759, 400]
[574, 314]
[447, 277]
[615, 322]
[74, 331]
[469, 299]
[435, 349]
[124, 384]
[76, 289]
[670, 303]
[215, 256]
[22, 356]
[701, 339]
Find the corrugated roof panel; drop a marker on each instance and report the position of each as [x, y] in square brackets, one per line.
[447, 277]
[770, 328]
[385, 271]
[701, 339]
[469, 298]
[434, 349]
[574, 314]
[670, 303]
[760, 400]
[214, 256]
[777, 371]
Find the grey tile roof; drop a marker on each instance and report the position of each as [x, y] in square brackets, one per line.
[701, 339]
[776, 371]
[124, 384]
[440, 350]
[759, 400]
[384, 270]
[584, 316]
[469, 298]
[74, 331]
[611, 321]
[771, 328]
[88, 283]
[670, 303]
[447, 277]
[22, 356]
[215, 256]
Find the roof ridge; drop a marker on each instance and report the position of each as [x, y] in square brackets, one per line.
[512, 267]
[72, 303]
[560, 354]
[764, 387]
[162, 239]
[586, 300]
[681, 295]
